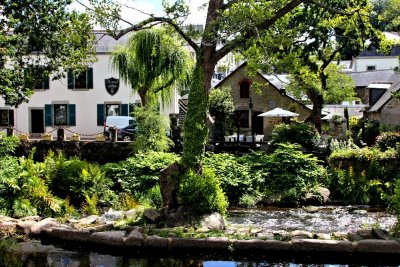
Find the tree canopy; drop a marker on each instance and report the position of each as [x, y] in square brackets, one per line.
[235, 24]
[153, 63]
[386, 15]
[39, 38]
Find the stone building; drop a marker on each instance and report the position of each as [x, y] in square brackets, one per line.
[254, 95]
[375, 89]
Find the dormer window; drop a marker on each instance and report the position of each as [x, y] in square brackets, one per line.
[244, 89]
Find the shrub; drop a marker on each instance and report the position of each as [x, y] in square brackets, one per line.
[78, 180]
[23, 190]
[138, 174]
[203, 192]
[388, 139]
[290, 173]
[152, 133]
[362, 176]
[371, 132]
[8, 145]
[300, 133]
[236, 178]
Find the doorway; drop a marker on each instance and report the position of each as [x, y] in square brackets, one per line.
[258, 123]
[37, 121]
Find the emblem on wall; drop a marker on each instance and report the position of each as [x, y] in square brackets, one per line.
[112, 85]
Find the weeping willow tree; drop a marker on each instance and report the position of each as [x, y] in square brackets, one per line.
[153, 63]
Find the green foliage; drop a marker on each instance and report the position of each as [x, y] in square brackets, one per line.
[153, 63]
[203, 192]
[140, 173]
[339, 85]
[77, 180]
[152, 134]
[23, 190]
[221, 106]
[300, 133]
[221, 102]
[8, 145]
[388, 139]
[195, 129]
[64, 39]
[236, 177]
[290, 173]
[153, 197]
[371, 132]
[362, 176]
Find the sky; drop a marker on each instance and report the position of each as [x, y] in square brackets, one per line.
[153, 7]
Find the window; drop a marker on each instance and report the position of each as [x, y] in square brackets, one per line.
[6, 117]
[43, 83]
[272, 104]
[83, 80]
[244, 89]
[60, 115]
[112, 109]
[374, 95]
[371, 68]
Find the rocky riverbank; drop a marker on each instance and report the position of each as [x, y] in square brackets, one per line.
[211, 236]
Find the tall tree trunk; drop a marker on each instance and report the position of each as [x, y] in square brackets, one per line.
[143, 97]
[318, 103]
[196, 130]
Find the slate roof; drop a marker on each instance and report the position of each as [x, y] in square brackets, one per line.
[385, 97]
[363, 79]
[372, 52]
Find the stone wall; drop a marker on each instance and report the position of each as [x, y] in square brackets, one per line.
[261, 93]
[101, 152]
[389, 114]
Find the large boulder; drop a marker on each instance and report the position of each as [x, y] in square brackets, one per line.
[214, 222]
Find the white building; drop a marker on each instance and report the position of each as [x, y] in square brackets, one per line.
[78, 104]
[373, 60]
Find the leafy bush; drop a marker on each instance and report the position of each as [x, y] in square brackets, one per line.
[8, 145]
[236, 178]
[139, 173]
[23, 190]
[388, 139]
[362, 176]
[371, 132]
[290, 173]
[153, 128]
[203, 192]
[300, 133]
[78, 180]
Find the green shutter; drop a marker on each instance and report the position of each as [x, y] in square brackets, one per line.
[70, 79]
[124, 110]
[48, 115]
[10, 117]
[90, 78]
[71, 115]
[100, 114]
[131, 108]
[46, 82]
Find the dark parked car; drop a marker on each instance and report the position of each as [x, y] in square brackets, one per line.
[127, 133]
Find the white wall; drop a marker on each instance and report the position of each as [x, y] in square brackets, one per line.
[85, 100]
[381, 63]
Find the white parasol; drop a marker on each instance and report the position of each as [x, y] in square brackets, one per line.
[278, 112]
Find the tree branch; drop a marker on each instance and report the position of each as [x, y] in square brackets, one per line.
[141, 25]
[262, 26]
